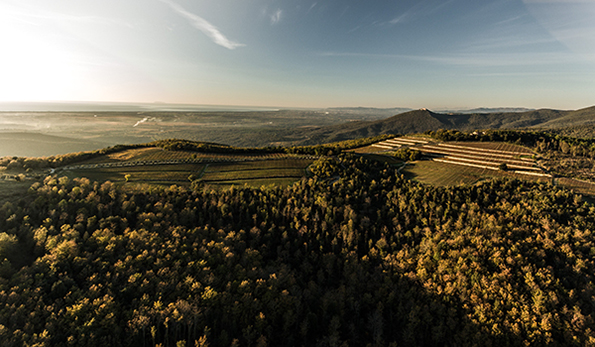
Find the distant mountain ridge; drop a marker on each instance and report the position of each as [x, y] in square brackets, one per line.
[489, 110]
[422, 120]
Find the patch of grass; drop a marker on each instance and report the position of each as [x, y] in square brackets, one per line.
[257, 173]
[442, 174]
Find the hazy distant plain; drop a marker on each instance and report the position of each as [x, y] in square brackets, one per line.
[43, 133]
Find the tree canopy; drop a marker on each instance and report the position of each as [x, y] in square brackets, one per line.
[368, 258]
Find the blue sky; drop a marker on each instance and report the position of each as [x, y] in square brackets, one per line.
[423, 53]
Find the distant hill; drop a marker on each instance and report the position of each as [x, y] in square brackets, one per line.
[421, 120]
[585, 116]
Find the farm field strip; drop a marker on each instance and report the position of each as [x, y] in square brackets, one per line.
[483, 149]
[485, 161]
[413, 140]
[158, 154]
[468, 150]
[184, 161]
[379, 145]
[135, 176]
[479, 156]
[158, 168]
[398, 141]
[532, 173]
[256, 173]
[250, 166]
[234, 176]
[500, 146]
[264, 173]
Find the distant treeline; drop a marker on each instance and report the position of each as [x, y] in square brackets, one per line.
[356, 255]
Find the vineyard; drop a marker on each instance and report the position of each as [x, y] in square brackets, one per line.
[453, 163]
[259, 173]
[155, 166]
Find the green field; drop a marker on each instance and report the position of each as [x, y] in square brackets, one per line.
[256, 173]
[154, 173]
[445, 174]
[253, 173]
[442, 174]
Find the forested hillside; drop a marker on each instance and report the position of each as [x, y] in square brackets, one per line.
[356, 255]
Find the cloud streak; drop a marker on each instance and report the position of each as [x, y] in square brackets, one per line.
[419, 9]
[276, 16]
[471, 59]
[201, 24]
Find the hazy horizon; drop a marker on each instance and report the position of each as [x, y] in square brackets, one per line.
[105, 106]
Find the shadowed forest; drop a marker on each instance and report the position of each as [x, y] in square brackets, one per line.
[354, 255]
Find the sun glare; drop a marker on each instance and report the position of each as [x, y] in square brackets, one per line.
[33, 70]
[33, 64]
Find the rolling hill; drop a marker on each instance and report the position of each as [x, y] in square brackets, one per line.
[421, 120]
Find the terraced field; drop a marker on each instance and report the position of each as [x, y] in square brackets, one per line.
[454, 163]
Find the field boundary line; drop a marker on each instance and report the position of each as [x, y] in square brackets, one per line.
[469, 150]
[477, 161]
[413, 140]
[184, 161]
[485, 149]
[485, 156]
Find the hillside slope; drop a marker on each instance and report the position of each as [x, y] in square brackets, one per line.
[421, 120]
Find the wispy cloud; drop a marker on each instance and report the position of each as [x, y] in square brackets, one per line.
[312, 6]
[419, 9]
[201, 24]
[276, 16]
[470, 59]
[399, 19]
[354, 29]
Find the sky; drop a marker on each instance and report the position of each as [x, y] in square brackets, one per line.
[288, 53]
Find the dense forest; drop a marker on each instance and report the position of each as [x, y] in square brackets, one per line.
[354, 256]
